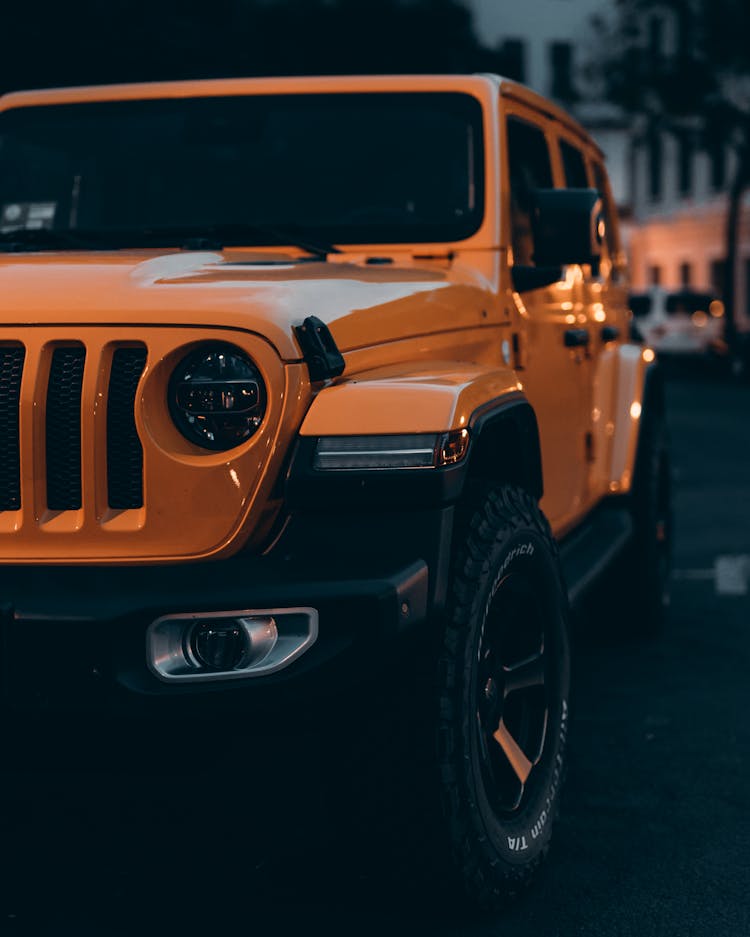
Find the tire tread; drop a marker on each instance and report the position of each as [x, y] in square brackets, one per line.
[491, 516]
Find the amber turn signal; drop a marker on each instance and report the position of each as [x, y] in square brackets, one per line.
[453, 447]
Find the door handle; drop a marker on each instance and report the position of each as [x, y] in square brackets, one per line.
[575, 338]
[610, 333]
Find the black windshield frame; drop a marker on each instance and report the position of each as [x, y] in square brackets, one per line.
[450, 203]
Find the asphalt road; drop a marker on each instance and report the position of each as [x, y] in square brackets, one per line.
[655, 835]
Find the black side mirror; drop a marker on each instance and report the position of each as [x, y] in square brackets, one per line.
[568, 227]
[533, 278]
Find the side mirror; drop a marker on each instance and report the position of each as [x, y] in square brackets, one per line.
[568, 227]
[534, 278]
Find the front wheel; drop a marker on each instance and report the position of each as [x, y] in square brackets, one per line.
[503, 685]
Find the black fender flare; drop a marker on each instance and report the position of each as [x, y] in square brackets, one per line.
[503, 449]
[505, 445]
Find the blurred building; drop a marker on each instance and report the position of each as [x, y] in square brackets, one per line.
[680, 209]
[547, 44]
[680, 183]
[671, 185]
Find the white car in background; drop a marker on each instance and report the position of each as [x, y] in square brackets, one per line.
[680, 322]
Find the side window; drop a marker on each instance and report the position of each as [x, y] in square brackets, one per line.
[530, 168]
[574, 165]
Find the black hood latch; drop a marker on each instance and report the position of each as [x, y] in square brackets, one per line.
[319, 349]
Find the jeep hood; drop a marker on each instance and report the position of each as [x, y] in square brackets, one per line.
[261, 292]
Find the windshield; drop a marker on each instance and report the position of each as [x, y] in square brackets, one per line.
[337, 168]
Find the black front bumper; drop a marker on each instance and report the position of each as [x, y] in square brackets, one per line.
[74, 638]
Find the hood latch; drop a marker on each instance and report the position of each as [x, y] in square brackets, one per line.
[319, 349]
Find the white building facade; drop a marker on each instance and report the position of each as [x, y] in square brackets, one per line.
[671, 187]
[680, 206]
[546, 44]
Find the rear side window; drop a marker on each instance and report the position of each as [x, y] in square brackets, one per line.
[574, 165]
[530, 168]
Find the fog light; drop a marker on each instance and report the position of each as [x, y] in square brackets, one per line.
[228, 645]
[225, 644]
[219, 645]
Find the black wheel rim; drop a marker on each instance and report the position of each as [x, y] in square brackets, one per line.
[516, 688]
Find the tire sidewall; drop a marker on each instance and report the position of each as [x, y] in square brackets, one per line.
[520, 839]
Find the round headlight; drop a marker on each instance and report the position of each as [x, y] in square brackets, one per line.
[217, 397]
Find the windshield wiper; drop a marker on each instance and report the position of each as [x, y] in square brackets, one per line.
[218, 236]
[31, 239]
[213, 237]
[208, 237]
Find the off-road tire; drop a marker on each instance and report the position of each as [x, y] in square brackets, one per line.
[505, 559]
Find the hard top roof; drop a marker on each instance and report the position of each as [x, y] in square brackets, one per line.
[208, 87]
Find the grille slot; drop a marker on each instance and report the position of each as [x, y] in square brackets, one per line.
[11, 368]
[63, 429]
[124, 450]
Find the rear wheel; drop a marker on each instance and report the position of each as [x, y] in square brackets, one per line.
[504, 684]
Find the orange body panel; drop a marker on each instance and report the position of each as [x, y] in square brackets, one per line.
[430, 399]
[364, 306]
[195, 502]
[428, 338]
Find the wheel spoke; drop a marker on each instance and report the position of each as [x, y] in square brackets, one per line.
[518, 761]
[527, 673]
[482, 738]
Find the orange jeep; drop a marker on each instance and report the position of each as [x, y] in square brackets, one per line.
[296, 372]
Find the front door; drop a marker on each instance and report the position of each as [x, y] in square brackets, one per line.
[557, 372]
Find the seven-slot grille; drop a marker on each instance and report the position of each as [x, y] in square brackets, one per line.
[124, 450]
[63, 428]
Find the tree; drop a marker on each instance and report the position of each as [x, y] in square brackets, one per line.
[698, 83]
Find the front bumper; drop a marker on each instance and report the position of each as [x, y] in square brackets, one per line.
[74, 638]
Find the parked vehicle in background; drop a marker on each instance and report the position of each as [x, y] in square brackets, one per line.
[680, 323]
[304, 379]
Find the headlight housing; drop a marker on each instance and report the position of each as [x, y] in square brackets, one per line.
[412, 451]
[217, 397]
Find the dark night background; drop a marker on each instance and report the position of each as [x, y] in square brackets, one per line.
[654, 839]
[51, 44]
